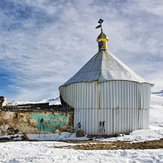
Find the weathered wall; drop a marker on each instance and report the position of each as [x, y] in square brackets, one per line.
[14, 122]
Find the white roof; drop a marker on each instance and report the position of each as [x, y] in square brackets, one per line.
[102, 67]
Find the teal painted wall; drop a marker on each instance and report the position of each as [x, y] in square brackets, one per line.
[50, 122]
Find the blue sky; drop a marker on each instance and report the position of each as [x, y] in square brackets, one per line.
[44, 42]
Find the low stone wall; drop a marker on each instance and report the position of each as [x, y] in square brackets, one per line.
[35, 122]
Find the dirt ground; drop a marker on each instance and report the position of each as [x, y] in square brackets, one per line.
[99, 145]
[113, 145]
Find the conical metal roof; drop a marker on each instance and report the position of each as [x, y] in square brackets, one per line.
[103, 67]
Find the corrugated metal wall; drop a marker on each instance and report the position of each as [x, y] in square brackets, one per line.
[123, 105]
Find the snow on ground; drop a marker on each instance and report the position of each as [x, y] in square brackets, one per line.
[41, 152]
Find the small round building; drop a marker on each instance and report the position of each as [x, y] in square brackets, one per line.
[107, 96]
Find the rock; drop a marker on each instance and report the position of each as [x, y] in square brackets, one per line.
[24, 137]
[79, 133]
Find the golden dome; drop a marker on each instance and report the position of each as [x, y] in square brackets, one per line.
[102, 37]
[102, 40]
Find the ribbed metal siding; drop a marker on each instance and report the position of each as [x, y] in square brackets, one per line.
[123, 105]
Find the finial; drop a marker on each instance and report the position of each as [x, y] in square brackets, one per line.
[102, 39]
[100, 26]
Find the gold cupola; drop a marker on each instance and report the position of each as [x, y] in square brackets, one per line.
[102, 39]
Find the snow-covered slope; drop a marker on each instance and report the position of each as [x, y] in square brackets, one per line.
[55, 101]
[158, 93]
[22, 102]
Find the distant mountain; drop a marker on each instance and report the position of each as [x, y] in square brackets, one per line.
[55, 101]
[158, 93]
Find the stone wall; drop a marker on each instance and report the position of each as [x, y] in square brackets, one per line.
[35, 122]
